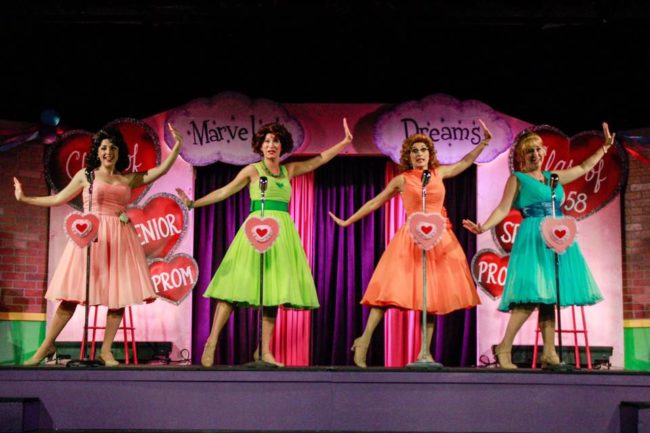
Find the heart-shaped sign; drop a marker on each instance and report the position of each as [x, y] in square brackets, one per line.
[505, 232]
[67, 156]
[489, 269]
[426, 229]
[82, 228]
[174, 277]
[160, 223]
[262, 232]
[599, 186]
[559, 233]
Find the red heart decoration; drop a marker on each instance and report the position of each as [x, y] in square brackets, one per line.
[590, 193]
[82, 228]
[426, 229]
[505, 232]
[67, 156]
[489, 270]
[262, 232]
[559, 233]
[174, 277]
[160, 224]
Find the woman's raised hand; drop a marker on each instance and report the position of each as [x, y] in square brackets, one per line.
[348, 134]
[184, 198]
[609, 138]
[18, 190]
[487, 135]
[338, 220]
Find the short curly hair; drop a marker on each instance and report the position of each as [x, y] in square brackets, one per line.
[113, 135]
[407, 144]
[524, 142]
[280, 132]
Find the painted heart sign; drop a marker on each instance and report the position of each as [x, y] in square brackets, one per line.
[426, 229]
[160, 223]
[174, 277]
[559, 233]
[505, 232]
[66, 157]
[82, 228]
[489, 270]
[590, 193]
[262, 232]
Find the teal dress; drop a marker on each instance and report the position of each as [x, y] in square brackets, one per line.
[287, 277]
[531, 269]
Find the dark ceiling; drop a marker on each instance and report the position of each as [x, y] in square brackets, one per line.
[567, 63]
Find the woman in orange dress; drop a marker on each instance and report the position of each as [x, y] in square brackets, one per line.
[397, 280]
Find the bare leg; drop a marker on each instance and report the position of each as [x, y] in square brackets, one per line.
[113, 320]
[268, 325]
[547, 327]
[360, 345]
[431, 327]
[221, 316]
[61, 317]
[518, 317]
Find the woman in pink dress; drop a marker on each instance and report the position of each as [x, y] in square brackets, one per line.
[119, 274]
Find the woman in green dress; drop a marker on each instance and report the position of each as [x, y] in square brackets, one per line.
[530, 281]
[287, 278]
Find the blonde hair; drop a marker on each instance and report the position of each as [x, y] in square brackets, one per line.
[405, 153]
[523, 143]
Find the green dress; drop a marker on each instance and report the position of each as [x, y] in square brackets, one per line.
[287, 277]
[531, 267]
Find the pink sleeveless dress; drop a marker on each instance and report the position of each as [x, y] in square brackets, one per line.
[119, 274]
[397, 280]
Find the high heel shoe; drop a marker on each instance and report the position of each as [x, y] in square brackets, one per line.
[503, 357]
[360, 351]
[550, 361]
[108, 360]
[50, 355]
[267, 357]
[207, 359]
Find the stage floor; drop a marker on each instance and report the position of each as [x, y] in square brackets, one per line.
[325, 399]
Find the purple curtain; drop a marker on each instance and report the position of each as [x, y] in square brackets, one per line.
[344, 262]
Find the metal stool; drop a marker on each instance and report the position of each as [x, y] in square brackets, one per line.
[127, 328]
[575, 333]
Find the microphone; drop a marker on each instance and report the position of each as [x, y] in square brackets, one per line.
[426, 177]
[264, 182]
[555, 179]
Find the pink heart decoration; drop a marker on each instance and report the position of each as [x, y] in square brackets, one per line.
[426, 229]
[160, 223]
[262, 232]
[174, 277]
[82, 228]
[559, 233]
[489, 270]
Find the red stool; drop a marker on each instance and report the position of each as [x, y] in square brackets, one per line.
[127, 328]
[575, 333]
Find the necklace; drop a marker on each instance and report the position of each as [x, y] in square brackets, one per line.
[542, 180]
[266, 169]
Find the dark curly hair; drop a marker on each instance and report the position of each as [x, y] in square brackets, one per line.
[113, 135]
[405, 155]
[280, 132]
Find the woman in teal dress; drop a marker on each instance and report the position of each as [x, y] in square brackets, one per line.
[530, 281]
[287, 278]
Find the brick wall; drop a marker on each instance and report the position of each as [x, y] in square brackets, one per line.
[23, 232]
[636, 264]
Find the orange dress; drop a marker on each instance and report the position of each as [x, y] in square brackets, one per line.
[397, 280]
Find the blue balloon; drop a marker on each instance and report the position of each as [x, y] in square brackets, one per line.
[50, 117]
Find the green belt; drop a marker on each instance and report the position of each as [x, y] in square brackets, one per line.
[270, 205]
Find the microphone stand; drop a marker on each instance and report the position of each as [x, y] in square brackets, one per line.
[562, 366]
[85, 361]
[260, 363]
[423, 363]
